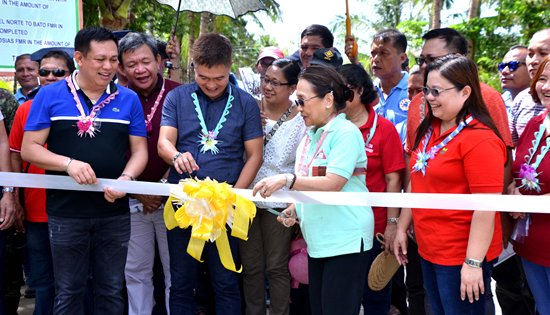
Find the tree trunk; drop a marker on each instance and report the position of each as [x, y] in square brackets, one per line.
[206, 20]
[189, 74]
[436, 16]
[115, 14]
[474, 9]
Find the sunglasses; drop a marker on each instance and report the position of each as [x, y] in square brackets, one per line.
[421, 60]
[302, 102]
[512, 65]
[56, 72]
[435, 92]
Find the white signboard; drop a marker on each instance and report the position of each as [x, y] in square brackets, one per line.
[28, 25]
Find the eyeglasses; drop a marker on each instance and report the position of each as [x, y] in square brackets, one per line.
[302, 102]
[512, 65]
[274, 84]
[56, 72]
[421, 60]
[435, 92]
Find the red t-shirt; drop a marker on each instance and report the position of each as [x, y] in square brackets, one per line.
[461, 167]
[384, 156]
[495, 105]
[34, 198]
[536, 244]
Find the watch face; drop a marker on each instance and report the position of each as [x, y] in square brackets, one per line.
[7, 189]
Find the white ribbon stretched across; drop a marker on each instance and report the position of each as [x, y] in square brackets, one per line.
[489, 202]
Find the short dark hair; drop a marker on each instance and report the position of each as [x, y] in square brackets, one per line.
[324, 80]
[212, 49]
[161, 46]
[357, 77]
[398, 39]
[519, 46]
[85, 36]
[536, 77]
[61, 55]
[460, 71]
[289, 68]
[454, 41]
[133, 41]
[319, 30]
[21, 57]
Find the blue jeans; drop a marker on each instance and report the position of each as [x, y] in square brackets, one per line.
[184, 271]
[376, 302]
[39, 257]
[538, 278]
[96, 245]
[442, 284]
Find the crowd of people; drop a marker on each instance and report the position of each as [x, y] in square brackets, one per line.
[314, 124]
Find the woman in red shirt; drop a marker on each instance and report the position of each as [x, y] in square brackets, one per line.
[450, 154]
[532, 173]
[385, 163]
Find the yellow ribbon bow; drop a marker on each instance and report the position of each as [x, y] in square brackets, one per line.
[207, 206]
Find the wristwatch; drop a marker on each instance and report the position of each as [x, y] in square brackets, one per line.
[392, 220]
[474, 263]
[8, 189]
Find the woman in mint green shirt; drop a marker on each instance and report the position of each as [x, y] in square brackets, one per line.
[331, 157]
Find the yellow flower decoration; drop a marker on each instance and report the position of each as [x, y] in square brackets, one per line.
[207, 206]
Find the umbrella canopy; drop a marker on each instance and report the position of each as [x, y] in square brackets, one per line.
[231, 8]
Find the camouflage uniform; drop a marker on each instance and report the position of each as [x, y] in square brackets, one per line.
[8, 106]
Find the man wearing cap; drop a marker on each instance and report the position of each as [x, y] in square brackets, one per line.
[313, 38]
[387, 57]
[524, 107]
[266, 58]
[329, 57]
[140, 61]
[26, 74]
[94, 129]
[53, 67]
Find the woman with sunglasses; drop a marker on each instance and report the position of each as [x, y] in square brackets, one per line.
[531, 169]
[266, 252]
[450, 153]
[331, 157]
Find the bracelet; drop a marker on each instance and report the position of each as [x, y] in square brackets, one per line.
[67, 164]
[474, 263]
[393, 220]
[176, 156]
[128, 176]
[293, 181]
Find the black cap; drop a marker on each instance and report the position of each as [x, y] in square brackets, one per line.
[39, 54]
[330, 57]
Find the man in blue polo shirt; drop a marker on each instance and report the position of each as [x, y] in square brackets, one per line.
[387, 55]
[206, 128]
[94, 129]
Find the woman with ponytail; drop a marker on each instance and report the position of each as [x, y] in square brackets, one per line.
[331, 157]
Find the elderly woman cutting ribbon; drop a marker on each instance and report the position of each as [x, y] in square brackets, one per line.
[331, 158]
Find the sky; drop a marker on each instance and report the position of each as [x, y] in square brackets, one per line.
[298, 14]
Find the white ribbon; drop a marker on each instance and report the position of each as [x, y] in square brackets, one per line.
[487, 202]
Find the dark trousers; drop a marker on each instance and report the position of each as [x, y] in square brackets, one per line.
[39, 258]
[99, 245]
[512, 290]
[2, 268]
[415, 284]
[336, 284]
[184, 272]
[442, 285]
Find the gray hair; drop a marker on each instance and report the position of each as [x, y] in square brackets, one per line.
[133, 41]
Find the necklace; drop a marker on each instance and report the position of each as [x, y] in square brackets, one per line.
[528, 171]
[303, 168]
[209, 138]
[150, 116]
[86, 123]
[422, 157]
